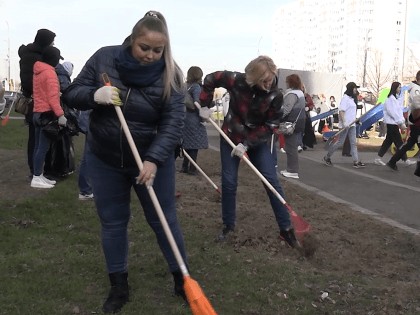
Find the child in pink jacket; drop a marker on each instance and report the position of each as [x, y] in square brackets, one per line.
[46, 94]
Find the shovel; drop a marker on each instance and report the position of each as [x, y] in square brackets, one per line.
[198, 302]
[331, 140]
[302, 227]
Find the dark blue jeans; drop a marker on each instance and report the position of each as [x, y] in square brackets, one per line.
[112, 189]
[83, 178]
[42, 145]
[262, 159]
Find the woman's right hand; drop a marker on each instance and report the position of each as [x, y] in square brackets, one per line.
[107, 95]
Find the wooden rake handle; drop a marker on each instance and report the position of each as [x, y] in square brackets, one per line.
[200, 170]
[247, 161]
[153, 196]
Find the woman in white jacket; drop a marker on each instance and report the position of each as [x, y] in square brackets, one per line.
[394, 119]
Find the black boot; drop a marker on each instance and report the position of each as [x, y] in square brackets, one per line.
[179, 284]
[119, 293]
[184, 167]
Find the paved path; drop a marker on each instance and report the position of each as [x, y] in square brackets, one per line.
[392, 197]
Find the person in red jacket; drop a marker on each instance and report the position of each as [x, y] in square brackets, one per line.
[46, 95]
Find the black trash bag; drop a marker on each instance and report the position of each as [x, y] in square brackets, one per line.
[60, 158]
[72, 116]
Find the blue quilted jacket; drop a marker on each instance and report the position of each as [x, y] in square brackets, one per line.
[155, 125]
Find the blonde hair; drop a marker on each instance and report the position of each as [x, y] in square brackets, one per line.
[173, 78]
[259, 69]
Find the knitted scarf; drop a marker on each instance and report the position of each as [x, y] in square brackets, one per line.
[133, 73]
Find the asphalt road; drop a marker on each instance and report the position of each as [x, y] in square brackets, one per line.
[389, 196]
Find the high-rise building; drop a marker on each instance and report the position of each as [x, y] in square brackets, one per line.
[362, 39]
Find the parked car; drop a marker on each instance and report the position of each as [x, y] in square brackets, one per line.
[10, 96]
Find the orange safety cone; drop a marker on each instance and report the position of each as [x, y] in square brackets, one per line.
[326, 129]
[199, 304]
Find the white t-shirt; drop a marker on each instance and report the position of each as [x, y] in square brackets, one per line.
[348, 106]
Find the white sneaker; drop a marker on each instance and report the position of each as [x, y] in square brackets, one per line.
[409, 162]
[282, 150]
[300, 149]
[48, 181]
[378, 161]
[38, 182]
[86, 197]
[290, 175]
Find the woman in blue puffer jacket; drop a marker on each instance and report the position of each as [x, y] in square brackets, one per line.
[148, 85]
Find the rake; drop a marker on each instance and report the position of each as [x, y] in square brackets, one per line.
[198, 302]
[302, 227]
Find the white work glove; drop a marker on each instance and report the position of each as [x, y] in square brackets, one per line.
[403, 126]
[107, 95]
[239, 151]
[205, 113]
[62, 121]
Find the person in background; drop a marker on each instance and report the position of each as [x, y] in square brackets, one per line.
[413, 101]
[149, 86]
[83, 180]
[347, 114]
[29, 54]
[254, 114]
[64, 71]
[46, 94]
[194, 133]
[308, 139]
[394, 119]
[293, 111]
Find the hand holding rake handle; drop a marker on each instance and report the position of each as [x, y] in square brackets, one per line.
[201, 171]
[331, 141]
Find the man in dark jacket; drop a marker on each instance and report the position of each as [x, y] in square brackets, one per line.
[29, 54]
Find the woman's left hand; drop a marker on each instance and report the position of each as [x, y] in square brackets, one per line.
[147, 174]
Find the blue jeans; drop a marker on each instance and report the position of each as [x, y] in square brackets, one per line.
[341, 138]
[83, 178]
[112, 189]
[42, 145]
[262, 159]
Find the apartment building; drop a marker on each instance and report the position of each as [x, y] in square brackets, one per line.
[352, 37]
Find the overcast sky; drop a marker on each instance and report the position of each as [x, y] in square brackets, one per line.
[214, 35]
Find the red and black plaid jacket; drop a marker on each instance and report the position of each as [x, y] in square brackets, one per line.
[253, 114]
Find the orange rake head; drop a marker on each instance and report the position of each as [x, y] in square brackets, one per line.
[4, 122]
[301, 226]
[199, 304]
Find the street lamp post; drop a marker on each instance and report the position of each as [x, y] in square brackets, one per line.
[365, 62]
[8, 53]
[259, 45]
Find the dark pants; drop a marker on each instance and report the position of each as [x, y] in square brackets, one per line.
[392, 136]
[412, 140]
[262, 159]
[112, 190]
[31, 142]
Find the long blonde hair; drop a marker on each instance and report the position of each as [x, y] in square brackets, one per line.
[173, 78]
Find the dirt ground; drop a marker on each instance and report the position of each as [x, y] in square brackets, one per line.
[350, 244]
